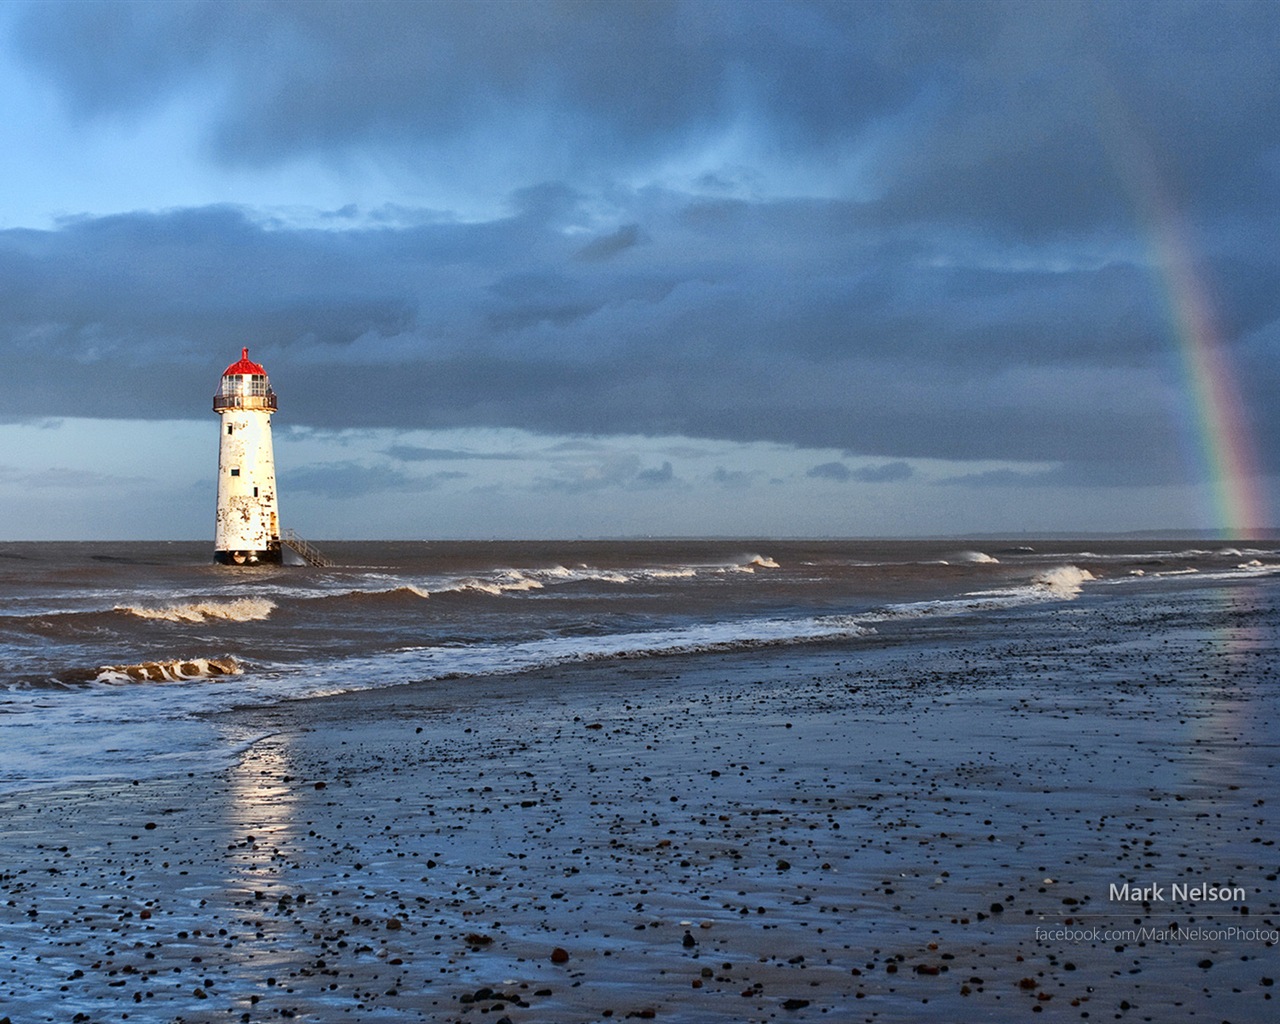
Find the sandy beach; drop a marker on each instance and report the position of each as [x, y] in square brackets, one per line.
[867, 831]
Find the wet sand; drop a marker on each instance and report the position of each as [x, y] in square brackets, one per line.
[878, 832]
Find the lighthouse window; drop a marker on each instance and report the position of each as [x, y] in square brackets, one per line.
[255, 492]
[235, 472]
[229, 428]
[245, 384]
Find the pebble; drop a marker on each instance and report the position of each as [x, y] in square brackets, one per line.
[982, 788]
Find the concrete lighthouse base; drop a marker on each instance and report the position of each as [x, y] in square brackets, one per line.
[274, 555]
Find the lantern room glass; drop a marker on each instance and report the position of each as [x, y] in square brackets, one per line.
[245, 385]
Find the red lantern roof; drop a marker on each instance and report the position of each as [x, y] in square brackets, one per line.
[244, 366]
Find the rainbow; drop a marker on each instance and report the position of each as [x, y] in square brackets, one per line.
[1220, 441]
[1223, 451]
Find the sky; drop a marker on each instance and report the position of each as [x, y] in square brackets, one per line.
[609, 269]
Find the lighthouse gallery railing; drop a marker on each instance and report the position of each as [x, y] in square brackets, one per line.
[267, 401]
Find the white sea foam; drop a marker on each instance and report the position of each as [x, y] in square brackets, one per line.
[508, 580]
[243, 609]
[411, 589]
[580, 574]
[169, 671]
[516, 580]
[975, 558]
[1255, 567]
[427, 663]
[471, 583]
[1063, 582]
[142, 715]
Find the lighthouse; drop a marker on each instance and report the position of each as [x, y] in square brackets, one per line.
[247, 530]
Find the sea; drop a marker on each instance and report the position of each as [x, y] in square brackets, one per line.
[117, 660]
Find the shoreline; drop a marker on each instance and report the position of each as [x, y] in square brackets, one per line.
[773, 834]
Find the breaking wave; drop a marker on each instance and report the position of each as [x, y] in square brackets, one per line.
[1063, 582]
[243, 609]
[507, 581]
[974, 558]
[752, 562]
[503, 582]
[168, 671]
[418, 664]
[383, 594]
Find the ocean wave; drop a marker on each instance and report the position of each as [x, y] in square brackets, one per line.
[493, 583]
[1060, 583]
[242, 609]
[506, 581]
[726, 640]
[376, 594]
[973, 558]
[168, 671]
[1157, 556]
[1254, 567]
[581, 574]
[1063, 582]
[503, 582]
[750, 562]
[449, 662]
[500, 580]
[584, 573]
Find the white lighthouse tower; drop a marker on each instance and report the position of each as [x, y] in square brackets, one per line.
[248, 523]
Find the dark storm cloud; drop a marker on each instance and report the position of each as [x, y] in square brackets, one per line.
[1026, 118]
[607, 80]
[836, 338]
[663, 474]
[1100, 473]
[830, 471]
[977, 290]
[608, 246]
[889, 472]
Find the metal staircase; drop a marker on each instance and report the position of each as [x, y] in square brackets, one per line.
[309, 553]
